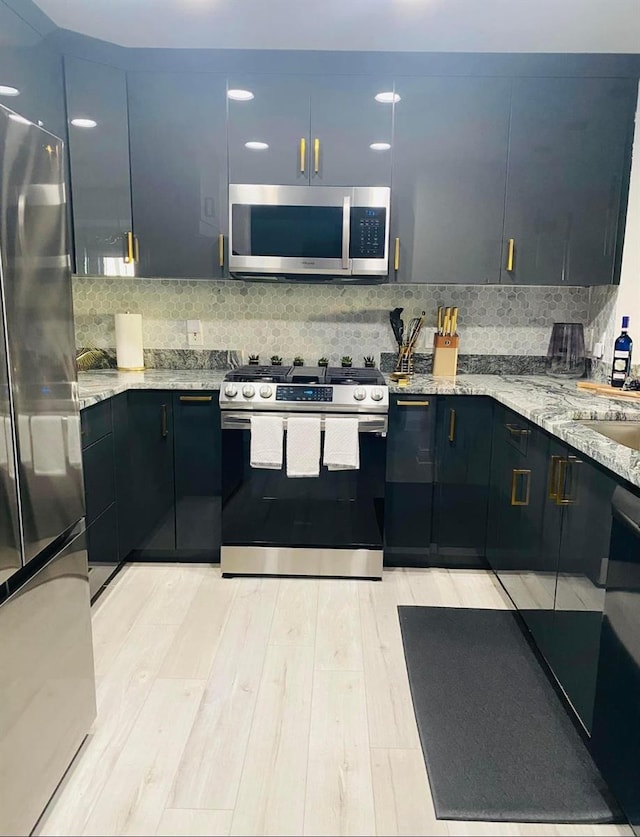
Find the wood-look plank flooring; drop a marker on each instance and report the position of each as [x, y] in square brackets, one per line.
[259, 707]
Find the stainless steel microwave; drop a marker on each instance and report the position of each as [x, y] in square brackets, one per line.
[310, 233]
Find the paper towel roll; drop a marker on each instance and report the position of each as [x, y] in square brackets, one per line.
[129, 352]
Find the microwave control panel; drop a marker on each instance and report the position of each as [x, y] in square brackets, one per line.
[368, 232]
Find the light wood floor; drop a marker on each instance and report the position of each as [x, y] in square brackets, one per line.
[260, 706]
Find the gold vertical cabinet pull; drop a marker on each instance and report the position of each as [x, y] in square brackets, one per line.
[515, 475]
[396, 257]
[200, 398]
[452, 425]
[303, 155]
[316, 155]
[163, 421]
[412, 403]
[511, 248]
[554, 473]
[561, 499]
[130, 254]
[221, 250]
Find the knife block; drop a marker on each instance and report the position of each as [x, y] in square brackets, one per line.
[445, 355]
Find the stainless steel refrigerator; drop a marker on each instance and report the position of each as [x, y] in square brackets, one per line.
[47, 685]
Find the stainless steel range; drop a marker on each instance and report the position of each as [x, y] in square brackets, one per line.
[329, 525]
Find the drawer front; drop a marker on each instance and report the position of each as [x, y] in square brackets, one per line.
[411, 439]
[513, 429]
[102, 538]
[95, 422]
[99, 477]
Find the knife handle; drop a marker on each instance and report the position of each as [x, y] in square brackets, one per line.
[440, 319]
[454, 321]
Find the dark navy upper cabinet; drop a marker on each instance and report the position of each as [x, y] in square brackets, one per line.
[351, 131]
[178, 172]
[268, 125]
[463, 463]
[99, 163]
[568, 166]
[449, 160]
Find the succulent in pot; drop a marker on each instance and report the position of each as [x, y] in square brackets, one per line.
[324, 361]
[298, 361]
[276, 360]
[254, 360]
[369, 362]
[346, 361]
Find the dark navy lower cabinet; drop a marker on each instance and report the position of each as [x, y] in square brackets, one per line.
[409, 484]
[197, 452]
[461, 489]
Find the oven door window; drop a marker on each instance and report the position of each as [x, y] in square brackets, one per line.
[311, 232]
[338, 509]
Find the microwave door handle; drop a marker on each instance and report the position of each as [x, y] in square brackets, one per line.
[346, 231]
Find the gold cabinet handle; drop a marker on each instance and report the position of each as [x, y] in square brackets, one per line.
[515, 475]
[221, 250]
[164, 432]
[303, 155]
[554, 472]
[517, 431]
[396, 257]
[316, 155]
[452, 425]
[137, 248]
[511, 248]
[412, 403]
[130, 255]
[561, 499]
[192, 398]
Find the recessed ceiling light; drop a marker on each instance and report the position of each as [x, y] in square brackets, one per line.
[84, 123]
[239, 95]
[21, 119]
[380, 146]
[254, 145]
[6, 90]
[388, 97]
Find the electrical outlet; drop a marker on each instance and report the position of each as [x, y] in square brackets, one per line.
[194, 333]
[598, 350]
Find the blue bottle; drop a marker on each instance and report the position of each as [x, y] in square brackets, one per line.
[622, 356]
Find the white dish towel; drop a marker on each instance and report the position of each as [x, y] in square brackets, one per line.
[303, 446]
[266, 442]
[49, 450]
[341, 444]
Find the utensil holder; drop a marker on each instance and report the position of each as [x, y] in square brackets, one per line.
[404, 363]
[445, 355]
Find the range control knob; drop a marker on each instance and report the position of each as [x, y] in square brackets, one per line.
[359, 393]
[266, 392]
[248, 390]
[377, 394]
[230, 391]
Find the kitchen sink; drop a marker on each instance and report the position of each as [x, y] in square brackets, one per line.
[624, 432]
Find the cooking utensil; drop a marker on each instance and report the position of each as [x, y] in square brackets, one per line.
[396, 324]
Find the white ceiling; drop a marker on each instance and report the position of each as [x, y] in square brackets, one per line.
[422, 25]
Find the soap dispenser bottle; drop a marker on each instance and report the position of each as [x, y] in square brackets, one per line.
[622, 356]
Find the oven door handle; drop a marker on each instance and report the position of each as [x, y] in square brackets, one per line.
[366, 423]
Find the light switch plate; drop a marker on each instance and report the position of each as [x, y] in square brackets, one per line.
[194, 333]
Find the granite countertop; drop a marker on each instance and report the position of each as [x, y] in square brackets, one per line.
[550, 404]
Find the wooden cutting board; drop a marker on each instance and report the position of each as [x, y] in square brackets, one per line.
[609, 391]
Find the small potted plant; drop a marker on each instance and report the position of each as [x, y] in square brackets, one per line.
[324, 361]
[369, 362]
[254, 360]
[276, 360]
[346, 361]
[298, 361]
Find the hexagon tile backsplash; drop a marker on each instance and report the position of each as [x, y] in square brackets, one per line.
[313, 321]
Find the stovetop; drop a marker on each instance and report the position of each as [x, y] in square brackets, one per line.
[334, 375]
[307, 388]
